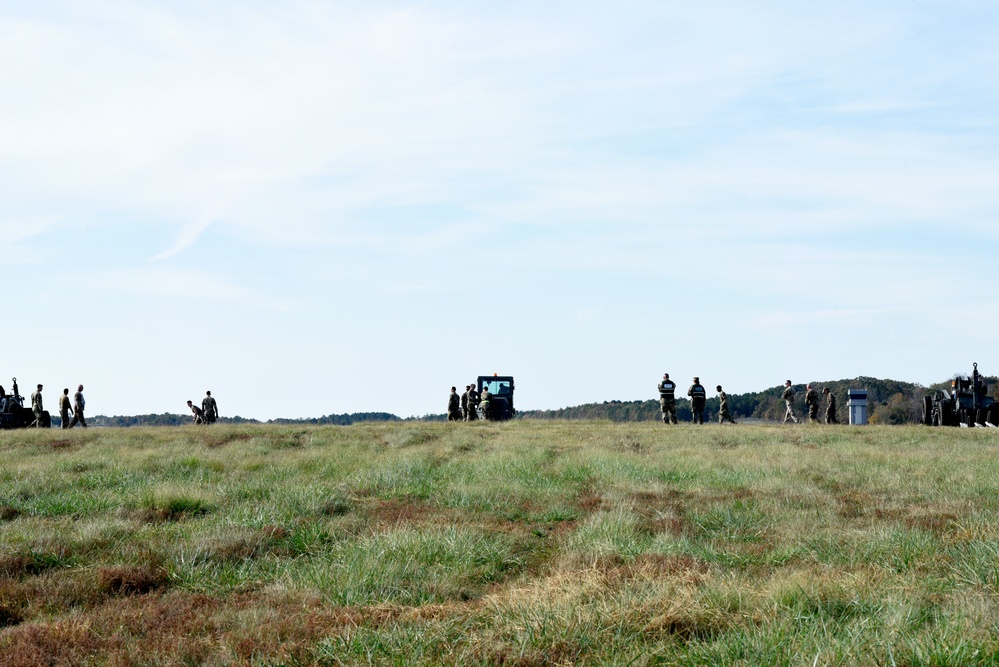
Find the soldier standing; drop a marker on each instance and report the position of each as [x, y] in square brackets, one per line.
[36, 406]
[78, 404]
[667, 399]
[812, 403]
[453, 403]
[830, 406]
[724, 415]
[698, 397]
[464, 404]
[473, 403]
[788, 397]
[210, 408]
[64, 407]
[486, 402]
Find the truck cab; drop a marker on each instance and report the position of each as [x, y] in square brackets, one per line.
[500, 404]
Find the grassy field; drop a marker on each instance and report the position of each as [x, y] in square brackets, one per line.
[527, 543]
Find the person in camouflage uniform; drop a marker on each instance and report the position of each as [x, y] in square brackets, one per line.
[812, 403]
[830, 406]
[453, 406]
[36, 406]
[788, 397]
[667, 399]
[698, 397]
[485, 400]
[724, 414]
[64, 407]
[464, 404]
[79, 403]
[199, 414]
[210, 408]
[473, 403]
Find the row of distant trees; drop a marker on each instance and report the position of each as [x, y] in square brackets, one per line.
[888, 402]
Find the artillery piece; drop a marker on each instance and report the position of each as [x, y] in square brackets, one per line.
[968, 404]
[13, 414]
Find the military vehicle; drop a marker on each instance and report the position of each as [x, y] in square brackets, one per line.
[968, 404]
[13, 414]
[500, 405]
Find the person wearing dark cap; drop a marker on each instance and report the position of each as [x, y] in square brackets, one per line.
[830, 406]
[210, 408]
[812, 403]
[788, 397]
[698, 397]
[667, 399]
[724, 415]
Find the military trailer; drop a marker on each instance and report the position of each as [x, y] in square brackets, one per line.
[967, 404]
[13, 414]
[500, 405]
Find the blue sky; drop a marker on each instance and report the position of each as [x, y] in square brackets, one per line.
[327, 207]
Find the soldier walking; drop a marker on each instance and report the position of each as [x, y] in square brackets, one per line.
[64, 407]
[812, 403]
[36, 406]
[830, 406]
[724, 415]
[453, 406]
[667, 399]
[788, 397]
[210, 408]
[698, 397]
[78, 404]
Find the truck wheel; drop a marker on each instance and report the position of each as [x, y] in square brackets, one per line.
[927, 410]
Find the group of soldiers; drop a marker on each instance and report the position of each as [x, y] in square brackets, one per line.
[65, 406]
[465, 407]
[698, 399]
[208, 413]
[811, 402]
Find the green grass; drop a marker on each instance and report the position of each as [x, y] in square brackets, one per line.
[527, 543]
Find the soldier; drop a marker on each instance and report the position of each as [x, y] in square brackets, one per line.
[723, 411]
[453, 403]
[830, 406]
[667, 399]
[788, 397]
[485, 402]
[210, 408]
[812, 403]
[698, 397]
[464, 404]
[199, 414]
[78, 404]
[64, 407]
[36, 406]
[473, 403]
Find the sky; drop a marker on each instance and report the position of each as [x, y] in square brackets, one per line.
[318, 207]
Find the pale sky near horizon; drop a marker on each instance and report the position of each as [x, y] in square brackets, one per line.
[326, 207]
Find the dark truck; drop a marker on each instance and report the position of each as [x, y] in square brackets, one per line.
[13, 414]
[968, 404]
[500, 404]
